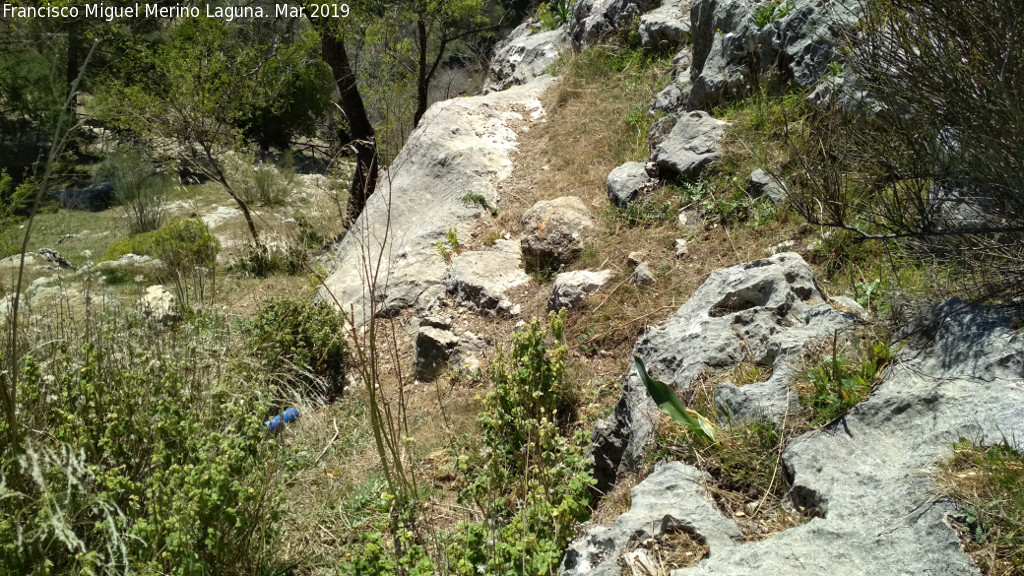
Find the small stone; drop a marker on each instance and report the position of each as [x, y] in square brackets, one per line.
[681, 248]
[635, 258]
[642, 275]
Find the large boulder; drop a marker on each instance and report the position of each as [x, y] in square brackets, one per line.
[592, 20]
[669, 24]
[691, 145]
[462, 145]
[869, 478]
[794, 45]
[485, 280]
[767, 312]
[555, 232]
[629, 182]
[525, 55]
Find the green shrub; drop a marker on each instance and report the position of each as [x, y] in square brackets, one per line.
[770, 11]
[534, 473]
[152, 459]
[182, 245]
[261, 183]
[138, 189]
[302, 341]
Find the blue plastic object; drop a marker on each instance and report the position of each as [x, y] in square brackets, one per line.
[291, 415]
[274, 424]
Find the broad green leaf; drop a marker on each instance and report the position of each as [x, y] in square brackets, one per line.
[670, 404]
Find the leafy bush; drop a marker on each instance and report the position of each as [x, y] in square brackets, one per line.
[153, 459]
[533, 473]
[770, 11]
[138, 189]
[182, 245]
[293, 337]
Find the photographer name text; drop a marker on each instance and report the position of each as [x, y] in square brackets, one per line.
[125, 11]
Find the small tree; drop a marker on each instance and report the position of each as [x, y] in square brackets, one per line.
[196, 92]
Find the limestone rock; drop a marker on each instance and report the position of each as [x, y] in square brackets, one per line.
[692, 144]
[629, 182]
[671, 498]
[766, 311]
[593, 19]
[681, 247]
[484, 280]
[794, 47]
[570, 288]
[465, 144]
[159, 305]
[870, 477]
[761, 183]
[91, 197]
[642, 274]
[668, 24]
[525, 55]
[434, 347]
[470, 352]
[555, 232]
[54, 257]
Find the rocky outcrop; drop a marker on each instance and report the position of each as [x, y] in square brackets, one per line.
[793, 45]
[593, 19]
[525, 55]
[629, 182]
[765, 312]
[671, 498]
[484, 280]
[869, 478]
[691, 145]
[570, 288]
[666, 25]
[555, 232]
[461, 146]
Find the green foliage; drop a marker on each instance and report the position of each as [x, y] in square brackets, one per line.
[840, 382]
[665, 397]
[986, 481]
[450, 245]
[139, 190]
[300, 340]
[182, 245]
[554, 14]
[153, 459]
[260, 183]
[13, 199]
[770, 11]
[532, 473]
[472, 198]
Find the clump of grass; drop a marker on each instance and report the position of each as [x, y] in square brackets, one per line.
[839, 380]
[986, 482]
[770, 11]
[747, 482]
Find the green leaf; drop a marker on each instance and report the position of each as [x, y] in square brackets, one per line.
[670, 404]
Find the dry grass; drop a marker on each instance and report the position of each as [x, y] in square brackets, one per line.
[674, 549]
[986, 483]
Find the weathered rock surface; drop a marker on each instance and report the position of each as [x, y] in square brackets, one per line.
[762, 183]
[570, 288]
[462, 145]
[668, 24]
[870, 476]
[629, 182]
[525, 55]
[434, 347]
[92, 197]
[690, 146]
[54, 257]
[593, 19]
[159, 305]
[555, 231]
[793, 48]
[764, 311]
[484, 280]
[671, 498]
[642, 274]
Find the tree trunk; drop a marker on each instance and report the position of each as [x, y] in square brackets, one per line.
[363, 137]
[424, 75]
